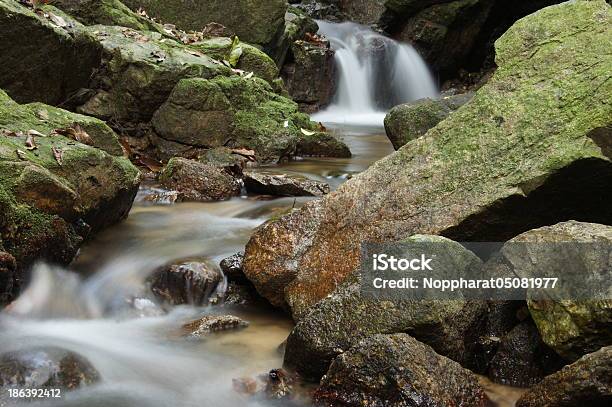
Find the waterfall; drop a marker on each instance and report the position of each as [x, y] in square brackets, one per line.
[375, 73]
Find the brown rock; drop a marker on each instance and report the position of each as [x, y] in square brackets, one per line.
[213, 323]
[283, 185]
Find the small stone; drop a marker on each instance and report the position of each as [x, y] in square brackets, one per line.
[213, 323]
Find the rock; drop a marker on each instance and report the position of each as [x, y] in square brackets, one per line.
[195, 181]
[254, 21]
[344, 317]
[8, 267]
[410, 121]
[48, 368]
[322, 145]
[252, 59]
[232, 112]
[397, 370]
[516, 157]
[522, 359]
[212, 323]
[361, 11]
[106, 12]
[239, 293]
[587, 382]
[232, 267]
[571, 327]
[282, 185]
[58, 191]
[70, 55]
[230, 160]
[310, 79]
[192, 282]
[297, 25]
[278, 384]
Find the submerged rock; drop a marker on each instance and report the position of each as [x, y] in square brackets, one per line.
[345, 317]
[283, 185]
[195, 181]
[49, 368]
[587, 382]
[189, 282]
[397, 370]
[410, 121]
[278, 384]
[516, 157]
[212, 323]
[571, 327]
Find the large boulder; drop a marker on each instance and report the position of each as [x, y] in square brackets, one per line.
[55, 190]
[587, 382]
[44, 59]
[529, 150]
[346, 316]
[412, 120]
[395, 371]
[232, 111]
[254, 21]
[572, 327]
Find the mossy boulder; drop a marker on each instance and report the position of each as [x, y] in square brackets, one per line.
[395, 371]
[252, 58]
[106, 12]
[531, 149]
[41, 60]
[55, 191]
[412, 120]
[255, 21]
[234, 112]
[322, 144]
[297, 24]
[571, 327]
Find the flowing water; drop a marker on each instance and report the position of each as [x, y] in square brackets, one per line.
[375, 73]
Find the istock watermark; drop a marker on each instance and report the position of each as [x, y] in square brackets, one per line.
[443, 269]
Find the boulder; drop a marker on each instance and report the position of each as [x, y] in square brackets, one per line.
[191, 281]
[360, 11]
[282, 185]
[54, 189]
[397, 370]
[49, 368]
[232, 161]
[297, 25]
[322, 145]
[516, 157]
[71, 54]
[571, 327]
[233, 112]
[410, 121]
[232, 267]
[277, 384]
[254, 21]
[310, 78]
[346, 316]
[211, 324]
[195, 181]
[587, 382]
[106, 12]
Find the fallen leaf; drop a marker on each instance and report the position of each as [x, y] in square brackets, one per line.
[286, 124]
[308, 132]
[21, 154]
[81, 135]
[35, 133]
[58, 154]
[58, 21]
[150, 163]
[249, 75]
[42, 114]
[10, 133]
[30, 143]
[249, 154]
[235, 52]
[195, 53]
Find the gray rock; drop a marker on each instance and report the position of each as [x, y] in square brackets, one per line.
[211, 324]
[192, 281]
[283, 185]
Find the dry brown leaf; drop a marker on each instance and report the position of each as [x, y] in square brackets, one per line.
[10, 133]
[30, 143]
[249, 154]
[21, 154]
[58, 154]
[150, 163]
[36, 133]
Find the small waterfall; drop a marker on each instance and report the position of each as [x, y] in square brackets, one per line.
[375, 73]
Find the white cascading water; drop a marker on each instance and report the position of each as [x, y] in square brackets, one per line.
[375, 73]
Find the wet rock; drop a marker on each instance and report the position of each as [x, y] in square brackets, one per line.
[232, 267]
[310, 79]
[278, 384]
[297, 25]
[571, 327]
[157, 196]
[8, 267]
[487, 173]
[241, 294]
[254, 21]
[45, 368]
[195, 181]
[322, 145]
[70, 57]
[361, 11]
[233, 112]
[192, 281]
[411, 121]
[587, 382]
[222, 157]
[283, 185]
[54, 190]
[397, 370]
[522, 359]
[106, 12]
[213, 323]
[345, 317]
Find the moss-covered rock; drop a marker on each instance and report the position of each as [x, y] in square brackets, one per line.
[106, 12]
[54, 190]
[396, 371]
[297, 24]
[412, 120]
[529, 150]
[252, 58]
[42, 60]
[322, 145]
[255, 21]
[234, 112]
